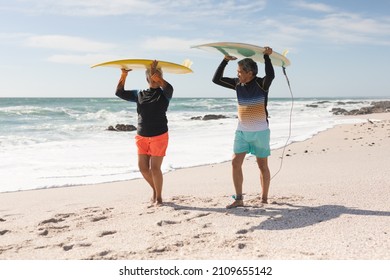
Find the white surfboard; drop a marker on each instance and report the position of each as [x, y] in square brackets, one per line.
[241, 50]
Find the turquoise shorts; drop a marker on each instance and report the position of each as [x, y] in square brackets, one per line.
[255, 143]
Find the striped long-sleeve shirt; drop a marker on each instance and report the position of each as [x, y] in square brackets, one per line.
[252, 97]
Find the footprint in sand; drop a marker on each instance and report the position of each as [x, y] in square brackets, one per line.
[47, 225]
[84, 244]
[52, 220]
[168, 248]
[100, 256]
[92, 214]
[106, 232]
[181, 199]
[104, 253]
[5, 248]
[198, 216]
[64, 215]
[182, 213]
[92, 208]
[158, 249]
[96, 219]
[203, 235]
[242, 231]
[166, 222]
[239, 242]
[43, 232]
[67, 247]
[2, 232]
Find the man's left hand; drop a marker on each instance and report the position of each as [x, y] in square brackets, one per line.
[267, 50]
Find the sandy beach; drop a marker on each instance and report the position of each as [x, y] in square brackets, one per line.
[330, 201]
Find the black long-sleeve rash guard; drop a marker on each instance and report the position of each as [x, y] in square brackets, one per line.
[152, 105]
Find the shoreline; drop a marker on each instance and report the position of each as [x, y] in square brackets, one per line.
[103, 159]
[329, 201]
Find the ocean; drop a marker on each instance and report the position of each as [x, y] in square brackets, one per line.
[56, 142]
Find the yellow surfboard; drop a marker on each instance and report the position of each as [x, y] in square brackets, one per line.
[143, 64]
[241, 50]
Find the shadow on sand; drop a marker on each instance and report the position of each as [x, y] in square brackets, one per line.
[289, 217]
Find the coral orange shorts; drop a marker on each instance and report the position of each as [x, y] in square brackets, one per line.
[152, 146]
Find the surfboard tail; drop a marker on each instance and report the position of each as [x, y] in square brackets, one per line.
[187, 63]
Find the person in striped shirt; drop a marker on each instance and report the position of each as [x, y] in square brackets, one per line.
[253, 134]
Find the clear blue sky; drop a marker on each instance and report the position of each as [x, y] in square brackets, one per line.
[336, 48]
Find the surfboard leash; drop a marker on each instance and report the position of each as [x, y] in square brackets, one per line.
[290, 120]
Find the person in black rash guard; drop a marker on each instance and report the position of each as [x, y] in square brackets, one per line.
[152, 130]
[252, 134]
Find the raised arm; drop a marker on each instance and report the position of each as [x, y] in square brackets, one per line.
[218, 76]
[269, 69]
[129, 95]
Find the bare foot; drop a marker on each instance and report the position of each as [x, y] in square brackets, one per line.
[235, 204]
[158, 204]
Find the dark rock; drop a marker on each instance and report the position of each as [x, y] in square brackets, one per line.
[376, 107]
[122, 127]
[125, 127]
[209, 117]
[213, 117]
[353, 102]
[339, 111]
[383, 106]
[196, 118]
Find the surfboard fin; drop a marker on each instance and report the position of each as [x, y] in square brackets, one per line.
[285, 53]
[187, 63]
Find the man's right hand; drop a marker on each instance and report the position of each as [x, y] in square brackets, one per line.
[229, 57]
[125, 71]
